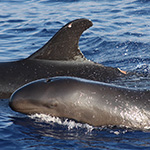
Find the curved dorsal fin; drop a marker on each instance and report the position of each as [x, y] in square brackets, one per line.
[64, 44]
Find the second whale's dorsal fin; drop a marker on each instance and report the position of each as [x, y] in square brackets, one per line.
[64, 44]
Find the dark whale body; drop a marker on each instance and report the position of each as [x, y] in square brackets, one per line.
[60, 56]
[87, 101]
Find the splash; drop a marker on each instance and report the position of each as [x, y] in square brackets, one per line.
[138, 118]
[143, 70]
[70, 124]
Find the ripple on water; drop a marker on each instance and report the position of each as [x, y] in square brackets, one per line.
[119, 37]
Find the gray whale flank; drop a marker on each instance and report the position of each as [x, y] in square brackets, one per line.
[87, 101]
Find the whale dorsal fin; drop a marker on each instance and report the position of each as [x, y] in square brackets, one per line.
[64, 44]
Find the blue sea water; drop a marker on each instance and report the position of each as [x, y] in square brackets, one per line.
[120, 37]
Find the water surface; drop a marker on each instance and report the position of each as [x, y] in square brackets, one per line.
[119, 38]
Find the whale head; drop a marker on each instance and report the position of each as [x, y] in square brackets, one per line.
[56, 96]
[42, 96]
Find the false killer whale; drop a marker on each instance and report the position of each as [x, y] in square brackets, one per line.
[60, 56]
[87, 101]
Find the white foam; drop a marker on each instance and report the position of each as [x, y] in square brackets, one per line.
[69, 123]
[138, 119]
[118, 132]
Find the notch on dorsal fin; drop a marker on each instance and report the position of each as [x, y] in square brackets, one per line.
[64, 44]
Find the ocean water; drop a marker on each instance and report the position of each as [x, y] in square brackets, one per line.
[119, 37]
